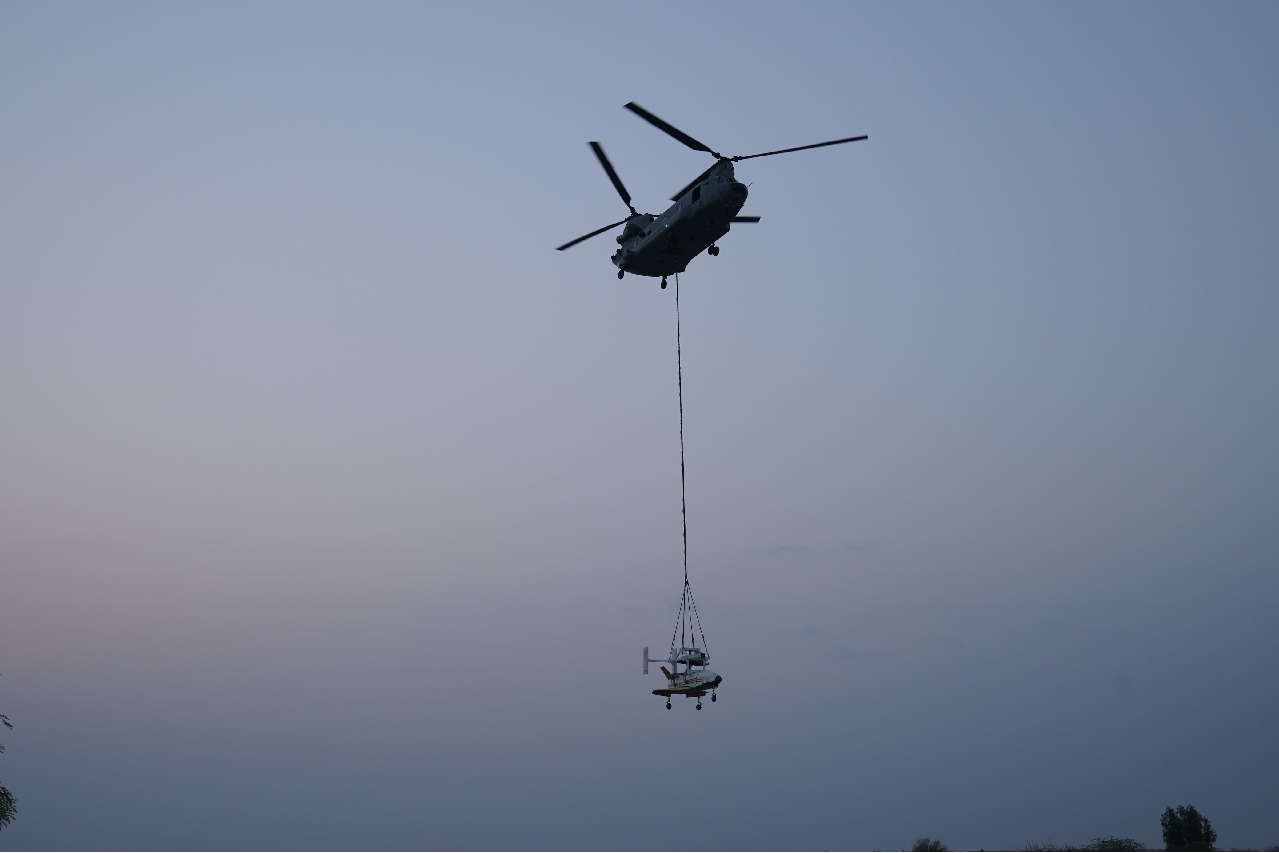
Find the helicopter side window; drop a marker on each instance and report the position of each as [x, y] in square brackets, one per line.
[697, 193]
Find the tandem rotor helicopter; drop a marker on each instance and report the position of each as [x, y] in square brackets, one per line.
[703, 211]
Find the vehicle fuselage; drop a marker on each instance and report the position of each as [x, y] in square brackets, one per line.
[696, 683]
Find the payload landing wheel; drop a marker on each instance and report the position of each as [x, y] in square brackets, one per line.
[699, 704]
[668, 704]
[620, 273]
[712, 697]
[663, 282]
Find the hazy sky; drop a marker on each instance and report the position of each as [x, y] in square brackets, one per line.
[336, 506]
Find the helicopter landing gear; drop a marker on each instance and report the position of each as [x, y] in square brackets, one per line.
[620, 273]
[668, 704]
[712, 697]
[713, 251]
[699, 704]
[663, 282]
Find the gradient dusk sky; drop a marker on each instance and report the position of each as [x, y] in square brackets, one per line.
[336, 506]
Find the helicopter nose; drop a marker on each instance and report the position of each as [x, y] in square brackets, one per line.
[738, 188]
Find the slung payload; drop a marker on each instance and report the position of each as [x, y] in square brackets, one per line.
[695, 680]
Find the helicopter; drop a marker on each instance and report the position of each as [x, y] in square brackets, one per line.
[702, 213]
[691, 683]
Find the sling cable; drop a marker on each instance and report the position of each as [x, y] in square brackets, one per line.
[695, 680]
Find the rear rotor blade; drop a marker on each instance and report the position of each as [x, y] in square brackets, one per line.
[571, 243]
[800, 148]
[612, 176]
[669, 129]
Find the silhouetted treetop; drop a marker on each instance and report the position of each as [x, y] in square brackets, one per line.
[1186, 829]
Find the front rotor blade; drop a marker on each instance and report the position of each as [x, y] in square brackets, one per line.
[669, 129]
[612, 175]
[571, 243]
[693, 183]
[800, 148]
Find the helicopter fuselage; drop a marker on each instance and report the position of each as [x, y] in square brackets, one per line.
[663, 245]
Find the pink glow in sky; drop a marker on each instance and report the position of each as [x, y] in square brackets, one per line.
[336, 506]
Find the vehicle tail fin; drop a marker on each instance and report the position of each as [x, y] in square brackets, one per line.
[666, 672]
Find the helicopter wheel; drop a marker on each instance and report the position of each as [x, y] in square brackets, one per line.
[699, 705]
[712, 697]
[668, 705]
[663, 283]
[713, 251]
[620, 273]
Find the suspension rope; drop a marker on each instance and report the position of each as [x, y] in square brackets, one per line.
[683, 501]
[679, 367]
[679, 620]
[700, 632]
[682, 623]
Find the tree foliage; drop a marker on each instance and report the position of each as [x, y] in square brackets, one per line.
[1186, 829]
[928, 844]
[7, 807]
[1111, 842]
